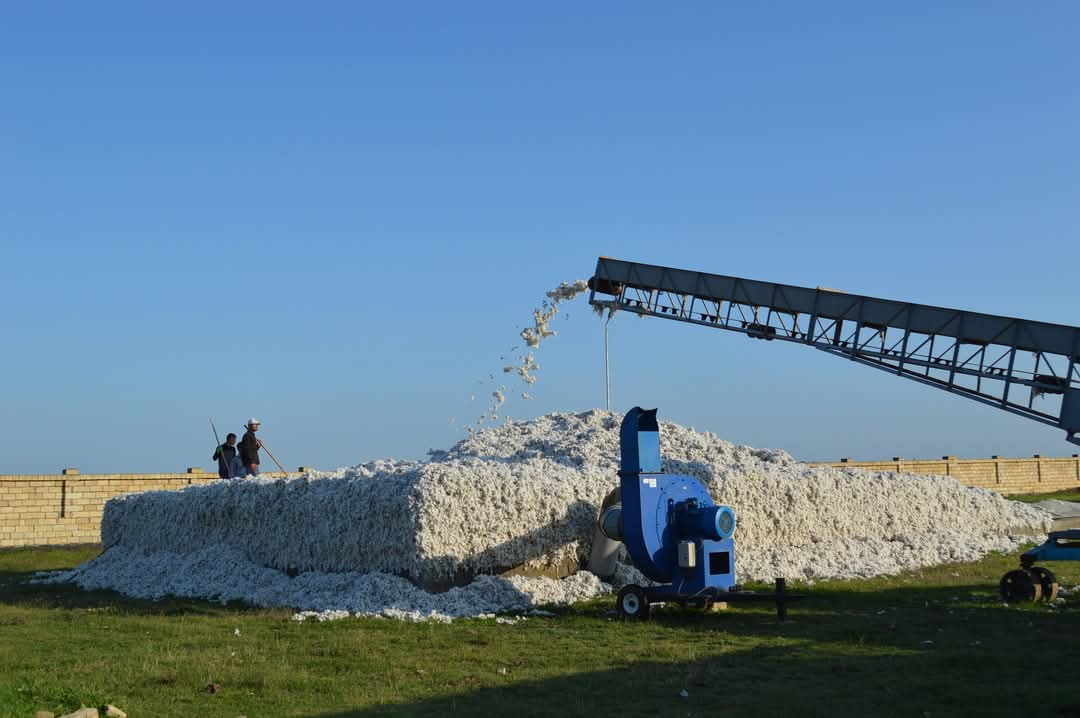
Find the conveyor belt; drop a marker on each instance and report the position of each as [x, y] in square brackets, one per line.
[981, 356]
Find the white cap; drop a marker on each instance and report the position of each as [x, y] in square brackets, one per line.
[253, 421]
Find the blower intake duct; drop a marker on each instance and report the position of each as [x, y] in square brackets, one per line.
[611, 522]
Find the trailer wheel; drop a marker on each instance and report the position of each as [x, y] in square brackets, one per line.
[632, 603]
[1020, 585]
[1047, 582]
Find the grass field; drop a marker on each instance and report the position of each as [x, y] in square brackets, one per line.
[934, 643]
[938, 642]
[1067, 495]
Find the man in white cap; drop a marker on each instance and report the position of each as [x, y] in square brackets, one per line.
[249, 448]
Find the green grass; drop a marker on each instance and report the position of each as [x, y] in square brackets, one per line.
[1064, 495]
[938, 642]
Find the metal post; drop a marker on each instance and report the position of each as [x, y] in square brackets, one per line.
[607, 367]
[781, 599]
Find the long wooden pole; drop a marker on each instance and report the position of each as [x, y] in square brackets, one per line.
[275, 460]
[228, 467]
[263, 447]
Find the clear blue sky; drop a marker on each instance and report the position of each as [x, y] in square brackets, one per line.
[337, 216]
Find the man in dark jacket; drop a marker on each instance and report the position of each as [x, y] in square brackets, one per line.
[249, 448]
[225, 455]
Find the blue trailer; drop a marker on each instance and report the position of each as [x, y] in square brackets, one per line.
[1034, 583]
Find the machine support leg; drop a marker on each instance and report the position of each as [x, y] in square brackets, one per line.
[607, 368]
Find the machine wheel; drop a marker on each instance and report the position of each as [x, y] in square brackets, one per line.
[1020, 585]
[1047, 582]
[633, 604]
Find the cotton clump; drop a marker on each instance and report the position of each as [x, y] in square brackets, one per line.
[541, 329]
[362, 539]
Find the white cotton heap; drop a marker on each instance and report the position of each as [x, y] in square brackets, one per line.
[226, 574]
[526, 493]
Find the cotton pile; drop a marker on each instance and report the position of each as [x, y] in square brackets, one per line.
[361, 539]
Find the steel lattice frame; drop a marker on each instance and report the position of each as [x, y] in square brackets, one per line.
[984, 357]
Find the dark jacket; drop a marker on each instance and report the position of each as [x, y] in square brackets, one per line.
[224, 455]
[249, 449]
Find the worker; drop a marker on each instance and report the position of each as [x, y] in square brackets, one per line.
[229, 465]
[249, 448]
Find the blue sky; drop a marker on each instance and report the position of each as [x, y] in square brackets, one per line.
[337, 216]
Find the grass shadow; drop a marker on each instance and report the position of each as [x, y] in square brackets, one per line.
[909, 650]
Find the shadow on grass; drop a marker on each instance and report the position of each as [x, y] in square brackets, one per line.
[911, 650]
[805, 676]
[903, 652]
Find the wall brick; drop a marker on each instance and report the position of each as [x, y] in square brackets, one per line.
[1007, 476]
[30, 504]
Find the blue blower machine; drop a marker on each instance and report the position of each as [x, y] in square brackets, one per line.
[674, 532]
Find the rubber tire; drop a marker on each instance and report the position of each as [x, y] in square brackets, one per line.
[1020, 585]
[1047, 581]
[632, 603]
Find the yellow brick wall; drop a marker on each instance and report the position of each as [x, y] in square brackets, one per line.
[43, 509]
[52, 509]
[1006, 476]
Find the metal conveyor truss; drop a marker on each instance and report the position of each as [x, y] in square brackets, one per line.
[1002, 361]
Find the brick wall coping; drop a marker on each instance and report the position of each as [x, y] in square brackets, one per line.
[946, 459]
[76, 478]
[190, 473]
